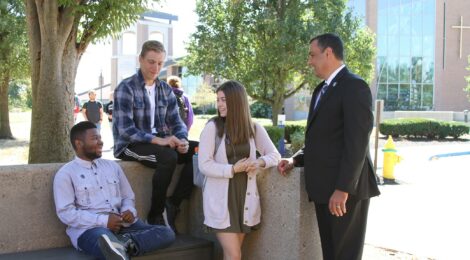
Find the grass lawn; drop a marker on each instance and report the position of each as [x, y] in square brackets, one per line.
[16, 151]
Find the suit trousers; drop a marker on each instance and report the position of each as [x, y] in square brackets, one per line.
[342, 238]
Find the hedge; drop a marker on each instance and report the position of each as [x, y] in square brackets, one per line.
[423, 128]
[275, 133]
[297, 141]
[294, 126]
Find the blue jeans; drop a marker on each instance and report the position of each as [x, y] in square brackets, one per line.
[147, 238]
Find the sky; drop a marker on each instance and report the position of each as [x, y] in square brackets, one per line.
[97, 57]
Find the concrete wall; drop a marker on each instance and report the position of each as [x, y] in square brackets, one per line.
[29, 221]
[450, 68]
[438, 115]
[288, 227]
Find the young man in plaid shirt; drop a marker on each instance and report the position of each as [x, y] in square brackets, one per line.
[147, 128]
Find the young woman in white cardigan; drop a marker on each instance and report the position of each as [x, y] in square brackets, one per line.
[230, 194]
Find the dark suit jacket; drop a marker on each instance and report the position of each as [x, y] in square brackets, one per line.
[336, 152]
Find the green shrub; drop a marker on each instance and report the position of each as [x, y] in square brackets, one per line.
[261, 110]
[198, 110]
[211, 111]
[204, 110]
[423, 128]
[275, 133]
[297, 140]
[453, 129]
[294, 126]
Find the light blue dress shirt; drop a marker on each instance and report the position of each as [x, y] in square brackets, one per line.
[85, 193]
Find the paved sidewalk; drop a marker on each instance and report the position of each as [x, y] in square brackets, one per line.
[379, 253]
[426, 215]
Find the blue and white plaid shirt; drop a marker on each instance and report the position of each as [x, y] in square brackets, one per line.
[131, 114]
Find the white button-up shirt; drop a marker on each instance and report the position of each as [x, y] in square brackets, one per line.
[85, 193]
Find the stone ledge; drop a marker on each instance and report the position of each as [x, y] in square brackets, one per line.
[288, 229]
[26, 199]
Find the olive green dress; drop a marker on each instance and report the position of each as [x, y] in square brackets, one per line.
[236, 191]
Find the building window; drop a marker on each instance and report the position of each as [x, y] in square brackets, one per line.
[156, 36]
[180, 71]
[405, 48]
[129, 43]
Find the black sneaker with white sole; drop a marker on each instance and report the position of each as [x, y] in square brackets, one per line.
[112, 248]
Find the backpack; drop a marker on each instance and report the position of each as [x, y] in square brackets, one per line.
[182, 107]
[199, 179]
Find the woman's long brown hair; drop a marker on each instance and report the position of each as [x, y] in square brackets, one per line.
[237, 125]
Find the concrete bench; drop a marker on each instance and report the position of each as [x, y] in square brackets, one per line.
[30, 228]
[184, 248]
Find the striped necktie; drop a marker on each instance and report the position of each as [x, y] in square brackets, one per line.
[322, 91]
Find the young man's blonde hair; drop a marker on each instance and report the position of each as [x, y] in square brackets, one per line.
[152, 45]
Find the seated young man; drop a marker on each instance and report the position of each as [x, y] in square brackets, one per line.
[96, 202]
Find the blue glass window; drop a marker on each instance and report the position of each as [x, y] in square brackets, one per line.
[405, 47]
[404, 97]
[405, 67]
[382, 91]
[382, 69]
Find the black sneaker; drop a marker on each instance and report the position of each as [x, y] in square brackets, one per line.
[112, 248]
[171, 212]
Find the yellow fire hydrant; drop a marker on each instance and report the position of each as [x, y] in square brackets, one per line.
[390, 160]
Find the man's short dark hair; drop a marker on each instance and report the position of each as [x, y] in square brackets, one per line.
[330, 40]
[78, 131]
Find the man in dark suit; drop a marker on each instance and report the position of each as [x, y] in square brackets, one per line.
[339, 175]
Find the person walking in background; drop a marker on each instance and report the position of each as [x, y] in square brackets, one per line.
[95, 200]
[92, 110]
[185, 108]
[76, 108]
[230, 196]
[147, 128]
[339, 176]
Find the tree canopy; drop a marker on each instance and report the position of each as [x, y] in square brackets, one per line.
[59, 33]
[264, 44]
[204, 97]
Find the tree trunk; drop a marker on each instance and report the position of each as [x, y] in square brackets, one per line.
[278, 103]
[5, 131]
[54, 60]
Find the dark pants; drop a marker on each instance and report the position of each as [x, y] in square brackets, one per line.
[342, 238]
[164, 160]
[147, 238]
